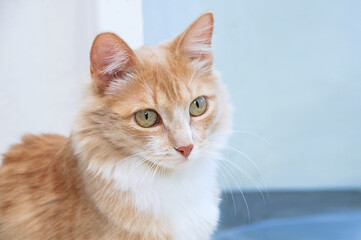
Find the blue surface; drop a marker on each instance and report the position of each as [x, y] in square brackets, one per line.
[336, 226]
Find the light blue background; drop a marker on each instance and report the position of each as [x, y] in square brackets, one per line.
[293, 69]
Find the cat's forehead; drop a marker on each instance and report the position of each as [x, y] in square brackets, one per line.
[155, 54]
[166, 76]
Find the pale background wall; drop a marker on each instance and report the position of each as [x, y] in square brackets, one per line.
[293, 69]
[294, 72]
[44, 58]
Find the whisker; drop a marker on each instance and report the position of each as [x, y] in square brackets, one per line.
[243, 196]
[248, 158]
[259, 188]
[230, 190]
[153, 177]
[128, 158]
[255, 135]
[149, 90]
[138, 164]
[197, 68]
[141, 182]
[244, 132]
[141, 84]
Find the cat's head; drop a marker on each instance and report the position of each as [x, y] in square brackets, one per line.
[162, 104]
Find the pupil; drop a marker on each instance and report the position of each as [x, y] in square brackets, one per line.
[146, 115]
[197, 104]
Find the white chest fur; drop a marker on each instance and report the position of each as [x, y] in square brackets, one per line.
[187, 199]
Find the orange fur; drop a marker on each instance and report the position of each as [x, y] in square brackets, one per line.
[90, 185]
[43, 197]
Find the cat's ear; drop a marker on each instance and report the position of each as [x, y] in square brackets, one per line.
[195, 41]
[110, 58]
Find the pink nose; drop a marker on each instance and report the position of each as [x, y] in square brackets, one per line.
[185, 150]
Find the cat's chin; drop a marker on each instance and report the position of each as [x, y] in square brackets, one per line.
[174, 164]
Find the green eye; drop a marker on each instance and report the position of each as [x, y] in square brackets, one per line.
[146, 118]
[198, 106]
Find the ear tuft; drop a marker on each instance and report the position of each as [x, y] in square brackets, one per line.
[110, 58]
[195, 41]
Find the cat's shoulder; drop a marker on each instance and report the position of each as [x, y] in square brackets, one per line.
[34, 147]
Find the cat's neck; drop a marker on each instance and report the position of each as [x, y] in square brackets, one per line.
[119, 184]
[111, 206]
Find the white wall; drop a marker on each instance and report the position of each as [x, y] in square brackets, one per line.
[44, 58]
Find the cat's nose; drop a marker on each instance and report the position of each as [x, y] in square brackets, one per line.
[185, 150]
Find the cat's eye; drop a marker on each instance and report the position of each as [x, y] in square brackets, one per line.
[146, 118]
[198, 106]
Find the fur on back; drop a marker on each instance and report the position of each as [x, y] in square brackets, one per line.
[113, 178]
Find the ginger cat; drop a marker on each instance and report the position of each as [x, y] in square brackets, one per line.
[141, 160]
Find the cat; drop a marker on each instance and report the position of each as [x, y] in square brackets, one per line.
[141, 158]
